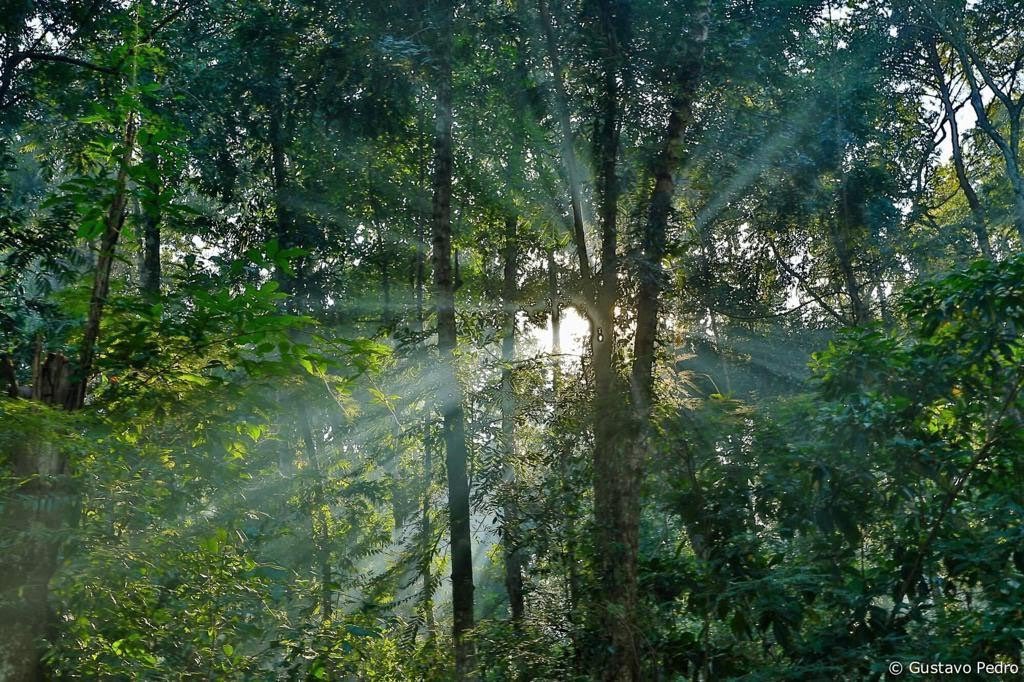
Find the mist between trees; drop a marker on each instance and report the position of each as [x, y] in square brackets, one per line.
[543, 340]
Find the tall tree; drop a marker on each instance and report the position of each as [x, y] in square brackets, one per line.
[449, 391]
[512, 532]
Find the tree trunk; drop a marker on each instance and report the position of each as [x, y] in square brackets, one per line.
[150, 270]
[564, 468]
[650, 271]
[426, 537]
[859, 313]
[977, 211]
[1008, 148]
[616, 490]
[285, 230]
[101, 277]
[319, 519]
[510, 532]
[449, 397]
[387, 319]
[33, 517]
[426, 527]
[568, 145]
[659, 208]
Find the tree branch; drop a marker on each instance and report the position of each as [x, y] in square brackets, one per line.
[18, 58]
[804, 283]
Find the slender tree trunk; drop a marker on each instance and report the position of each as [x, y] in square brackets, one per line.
[977, 211]
[387, 319]
[568, 146]
[426, 537]
[449, 395]
[150, 274]
[840, 231]
[426, 527]
[104, 264]
[320, 518]
[601, 318]
[659, 209]
[1010, 149]
[284, 221]
[570, 571]
[650, 271]
[510, 532]
[287, 234]
[279, 176]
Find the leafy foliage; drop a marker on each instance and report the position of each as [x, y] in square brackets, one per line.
[828, 465]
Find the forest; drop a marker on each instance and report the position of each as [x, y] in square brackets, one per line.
[506, 340]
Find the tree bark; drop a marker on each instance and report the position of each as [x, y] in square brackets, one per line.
[150, 270]
[1009, 148]
[616, 489]
[977, 211]
[426, 526]
[33, 517]
[285, 229]
[449, 397]
[511, 537]
[104, 263]
[859, 313]
[614, 495]
[426, 537]
[650, 273]
[319, 519]
[568, 145]
[564, 468]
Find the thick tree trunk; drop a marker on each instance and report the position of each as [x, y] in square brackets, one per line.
[616, 484]
[31, 522]
[617, 514]
[449, 397]
[510, 532]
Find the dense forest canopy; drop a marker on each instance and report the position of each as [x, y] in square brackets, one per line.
[500, 340]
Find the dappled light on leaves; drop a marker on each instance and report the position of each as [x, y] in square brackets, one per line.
[596, 339]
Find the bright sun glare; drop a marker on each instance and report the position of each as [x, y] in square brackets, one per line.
[574, 331]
